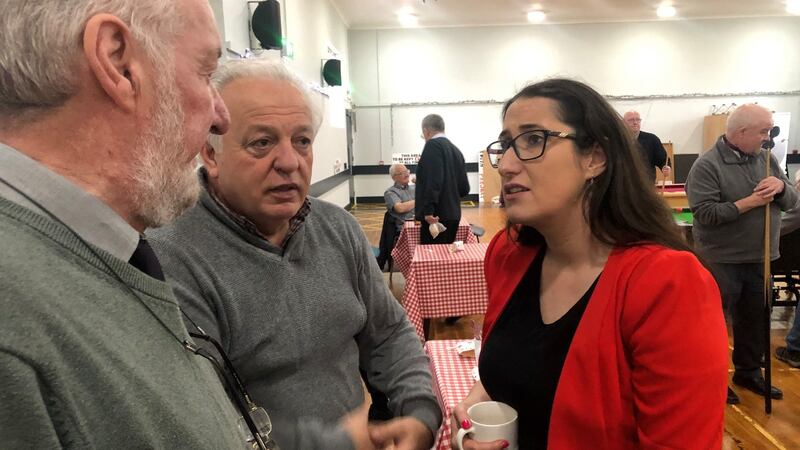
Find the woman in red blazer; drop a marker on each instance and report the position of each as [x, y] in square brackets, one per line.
[603, 330]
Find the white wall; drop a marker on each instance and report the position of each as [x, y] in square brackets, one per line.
[487, 65]
[340, 195]
[312, 26]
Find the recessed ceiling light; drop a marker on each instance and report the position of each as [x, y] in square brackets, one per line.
[793, 7]
[536, 16]
[407, 19]
[666, 11]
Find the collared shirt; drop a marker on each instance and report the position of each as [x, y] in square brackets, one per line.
[294, 223]
[736, 150]
[438, 135]
[397, 194]
[88, 216]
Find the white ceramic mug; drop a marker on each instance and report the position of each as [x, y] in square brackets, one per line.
[490, 421]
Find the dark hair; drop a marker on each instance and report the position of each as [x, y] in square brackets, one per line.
[433, 122]
[620, 204]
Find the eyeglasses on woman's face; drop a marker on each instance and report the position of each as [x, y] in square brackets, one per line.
[527, 145]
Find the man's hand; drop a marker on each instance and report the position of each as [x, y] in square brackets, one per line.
[752, 201]
[769, 187]
[431, 219]
[355, 424]
[404, 433]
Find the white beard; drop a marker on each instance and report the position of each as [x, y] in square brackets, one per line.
[165, 184]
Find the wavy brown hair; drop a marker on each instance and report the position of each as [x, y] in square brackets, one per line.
[620, 205]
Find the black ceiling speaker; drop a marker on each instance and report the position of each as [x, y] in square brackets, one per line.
[266, 23]
[332, 72]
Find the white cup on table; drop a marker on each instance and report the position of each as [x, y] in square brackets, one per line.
[490, 421]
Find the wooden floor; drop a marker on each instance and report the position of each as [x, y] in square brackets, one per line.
[746, 424]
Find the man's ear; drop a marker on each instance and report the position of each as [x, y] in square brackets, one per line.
[210, 160]
[113, 59]
[595, 162]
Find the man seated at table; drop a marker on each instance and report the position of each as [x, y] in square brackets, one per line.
[286, 282]
[399, 208]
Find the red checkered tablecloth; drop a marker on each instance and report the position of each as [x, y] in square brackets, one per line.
[441, 283]
[403, 250]
[452, 380]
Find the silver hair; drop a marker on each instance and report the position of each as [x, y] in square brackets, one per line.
[393, 168]
[268, 69]
[40, 43]
[433, 122]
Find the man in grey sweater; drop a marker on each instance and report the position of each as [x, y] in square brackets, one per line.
[288, 284]
[102, 111]
[728, 189]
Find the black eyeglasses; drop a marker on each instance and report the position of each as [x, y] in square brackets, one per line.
[527, 145]
[254, 422]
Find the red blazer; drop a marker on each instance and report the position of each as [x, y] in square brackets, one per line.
[648, 366]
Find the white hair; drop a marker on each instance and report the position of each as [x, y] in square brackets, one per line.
[40, 44]
[267, 69]
[394, 168]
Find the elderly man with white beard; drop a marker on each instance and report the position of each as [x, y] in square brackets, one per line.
[103, 107]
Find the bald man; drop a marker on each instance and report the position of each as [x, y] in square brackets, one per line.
[653, 153]
[728, 190]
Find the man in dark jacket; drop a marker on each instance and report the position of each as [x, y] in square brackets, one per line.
[653, 153]
[441, 182]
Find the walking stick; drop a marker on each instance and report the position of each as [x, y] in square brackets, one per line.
[767, 300]
[767, 146]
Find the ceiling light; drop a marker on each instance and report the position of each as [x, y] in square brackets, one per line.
[407, 20]
[793, 7]
[536, 16]
[666, 11]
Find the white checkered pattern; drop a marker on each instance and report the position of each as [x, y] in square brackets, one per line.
[409, 239]
[452, 380]
[444, 284]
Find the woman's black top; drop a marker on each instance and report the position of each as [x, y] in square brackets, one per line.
[521, 360]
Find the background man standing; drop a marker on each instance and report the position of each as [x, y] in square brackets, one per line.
[727, 189]
[653, 153]
[441, 182]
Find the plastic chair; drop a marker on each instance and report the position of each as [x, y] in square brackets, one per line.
[477, 230]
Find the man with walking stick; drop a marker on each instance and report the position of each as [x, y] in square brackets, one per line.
[728, 192]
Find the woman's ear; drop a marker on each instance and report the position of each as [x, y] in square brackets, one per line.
[595, 162]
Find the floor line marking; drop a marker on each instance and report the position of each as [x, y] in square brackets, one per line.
[759, 428]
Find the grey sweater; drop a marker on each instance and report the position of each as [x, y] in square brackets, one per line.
[83, 364]
[298, 326]
[718, 179]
